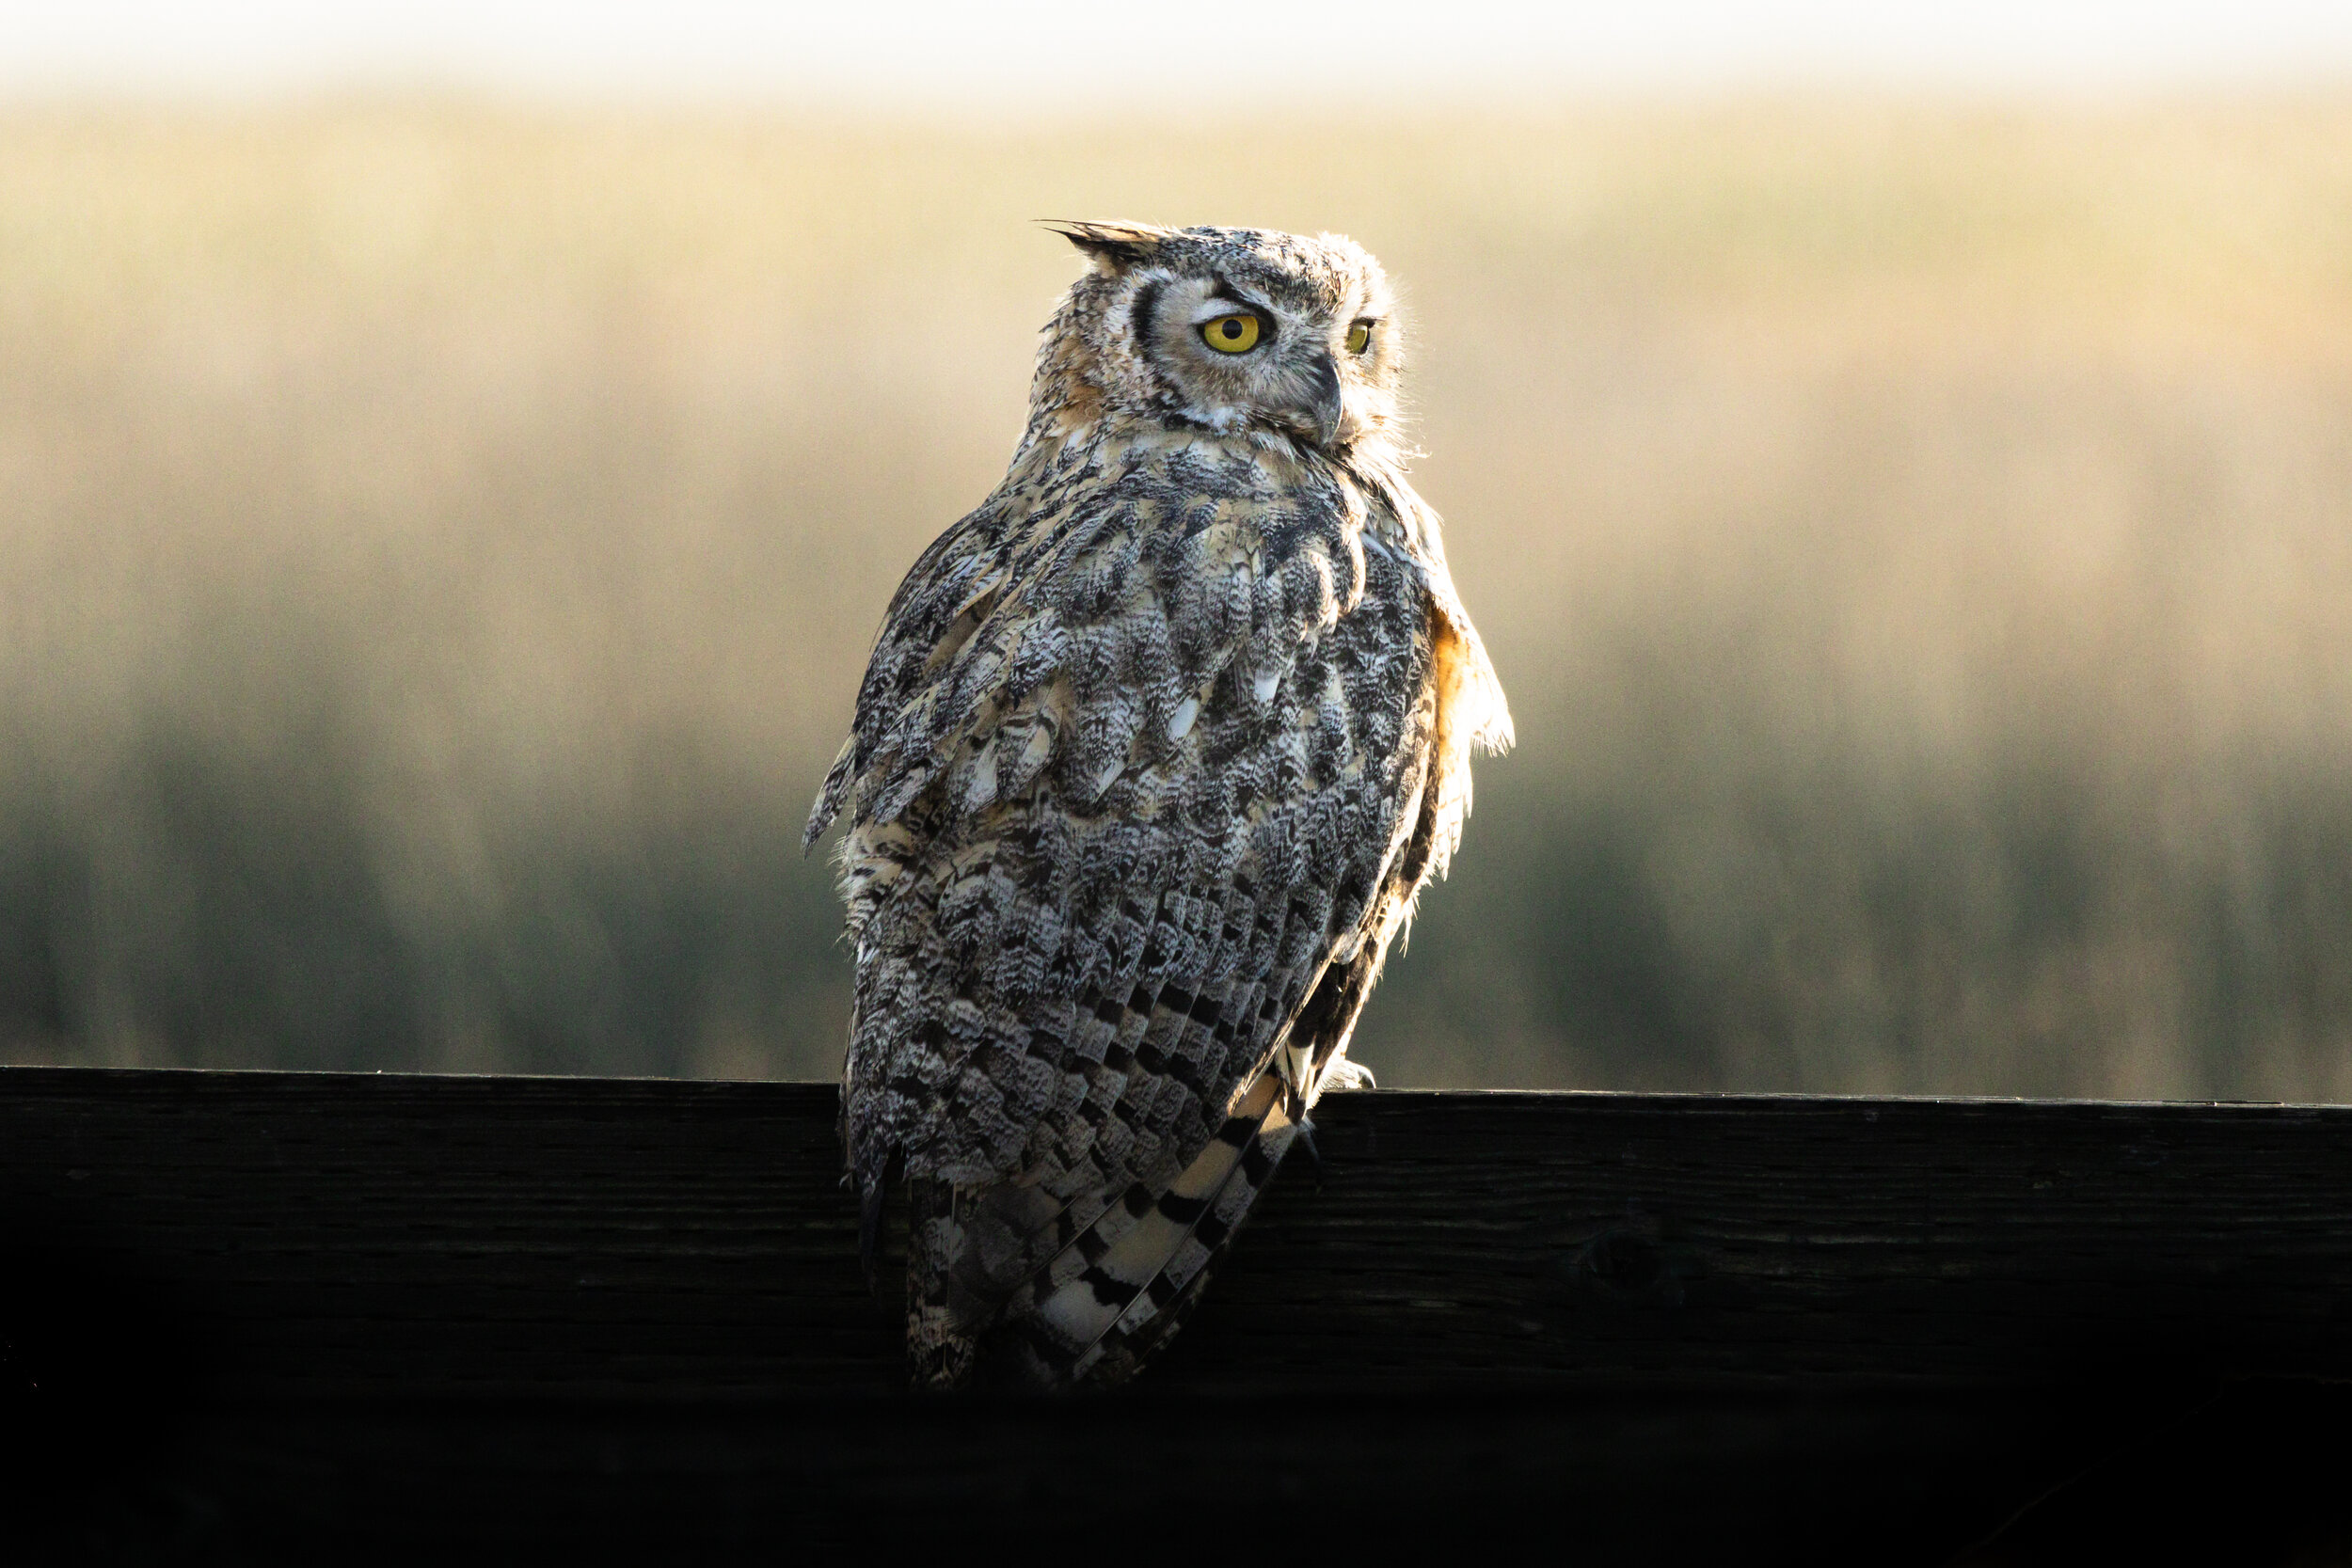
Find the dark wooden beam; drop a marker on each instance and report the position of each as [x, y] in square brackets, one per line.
[1650, 1283]
[536, 1236]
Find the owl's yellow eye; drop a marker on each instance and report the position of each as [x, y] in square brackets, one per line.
[1359, 337]
[1233, 334]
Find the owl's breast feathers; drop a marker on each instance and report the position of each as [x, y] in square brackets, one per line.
[1154, 752]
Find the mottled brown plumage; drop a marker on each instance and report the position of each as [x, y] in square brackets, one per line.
[1155, 750]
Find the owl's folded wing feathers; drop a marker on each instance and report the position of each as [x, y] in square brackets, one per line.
[1119, 798]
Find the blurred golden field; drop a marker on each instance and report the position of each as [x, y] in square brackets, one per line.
[438, 545]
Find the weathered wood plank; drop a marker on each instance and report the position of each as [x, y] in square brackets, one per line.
[364, 1235]
[252, 1314]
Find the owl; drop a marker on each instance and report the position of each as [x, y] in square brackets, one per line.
[1154, 753]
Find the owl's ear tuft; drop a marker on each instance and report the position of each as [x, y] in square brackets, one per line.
[1113, 248]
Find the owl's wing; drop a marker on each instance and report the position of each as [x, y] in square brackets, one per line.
[1127, 778]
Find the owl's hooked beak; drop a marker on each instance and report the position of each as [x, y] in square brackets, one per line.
[1328, 401]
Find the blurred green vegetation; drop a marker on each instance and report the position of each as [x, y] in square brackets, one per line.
[440, 543]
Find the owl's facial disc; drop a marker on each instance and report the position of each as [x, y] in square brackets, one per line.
[1234, 357]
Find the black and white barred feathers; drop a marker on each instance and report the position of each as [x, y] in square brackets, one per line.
[1154, 753]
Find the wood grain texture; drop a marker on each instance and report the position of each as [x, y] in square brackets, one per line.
[316, 1235]
[248, 1316]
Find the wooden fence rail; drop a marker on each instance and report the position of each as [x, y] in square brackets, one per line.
[325, 1306]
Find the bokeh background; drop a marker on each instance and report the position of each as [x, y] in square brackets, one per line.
[444, 511]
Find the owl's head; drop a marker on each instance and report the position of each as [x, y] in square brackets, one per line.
[1238, 331]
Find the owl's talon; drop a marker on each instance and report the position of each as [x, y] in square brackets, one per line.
[1343, 1075]
[1306, 1139]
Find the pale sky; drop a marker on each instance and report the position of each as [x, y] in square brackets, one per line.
[1043, 56]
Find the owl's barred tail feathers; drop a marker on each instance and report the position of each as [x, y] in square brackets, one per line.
[1117, 1289]
[1110, 1297]
[939, 1350]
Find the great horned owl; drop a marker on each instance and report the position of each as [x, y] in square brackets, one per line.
[1155, 752]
